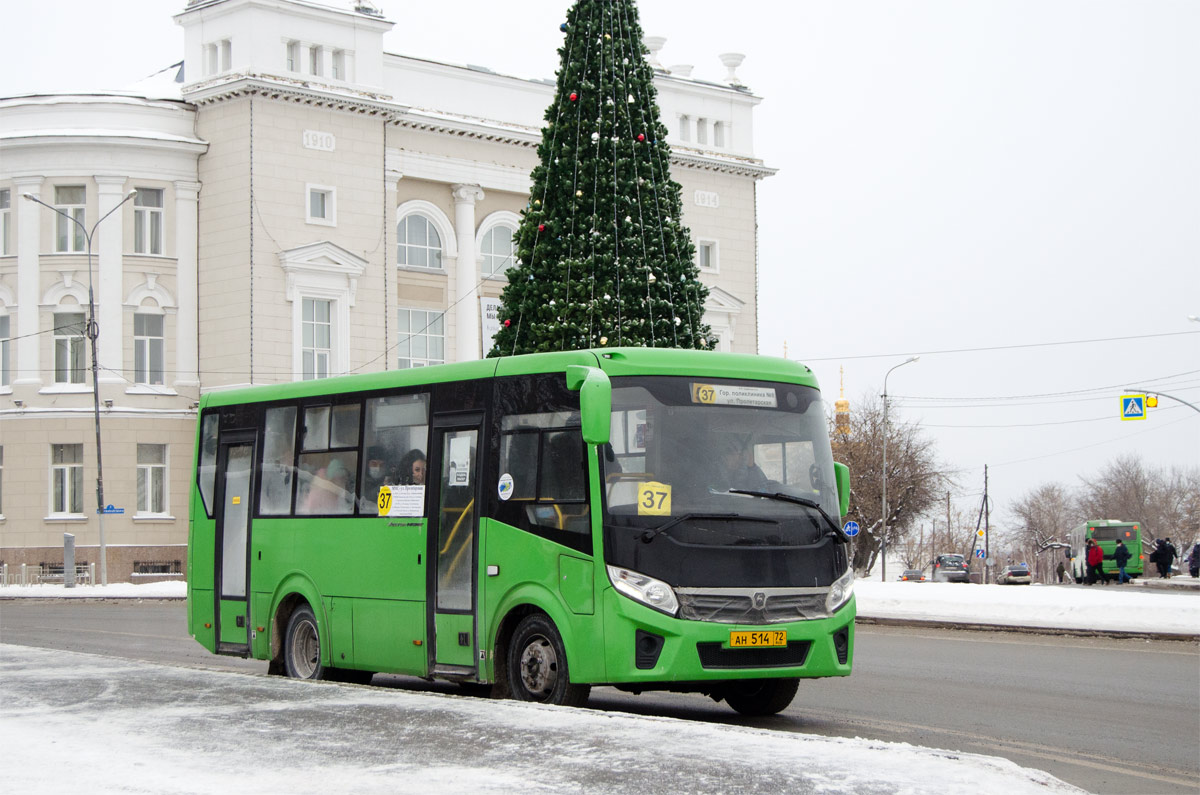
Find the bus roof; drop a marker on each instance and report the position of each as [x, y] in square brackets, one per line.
[614, 361]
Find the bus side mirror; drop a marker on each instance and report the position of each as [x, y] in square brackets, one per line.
[595, 401]
[841, 473]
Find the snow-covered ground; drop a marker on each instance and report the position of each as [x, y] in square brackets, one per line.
[133, 727]
[1157, 606]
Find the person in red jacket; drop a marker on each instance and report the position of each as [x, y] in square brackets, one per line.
[1095, 560]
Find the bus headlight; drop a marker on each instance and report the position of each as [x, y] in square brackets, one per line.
[840, 592]
[647, 590]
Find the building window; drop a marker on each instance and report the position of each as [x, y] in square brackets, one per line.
[152, 478]
[148, 221]
[718, 133]
[5, 351]
[5, 222]
[317, 337]
[702, 131]
[497, 250]
[321, 207]
[422, 338]
[147, 349]
[706, 256]
[339, 64]
[293, 56]
[66, 478]
[68, 236]
[419, 244]
[226, 55]
[69, 365]
[314, 60]
[210, 59]
[685, 128]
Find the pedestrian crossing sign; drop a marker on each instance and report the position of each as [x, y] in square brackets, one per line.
[1133, 407]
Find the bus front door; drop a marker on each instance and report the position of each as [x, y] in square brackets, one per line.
[234, 487]
[455, 477]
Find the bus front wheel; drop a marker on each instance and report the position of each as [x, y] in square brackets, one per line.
[302, 646]
[757, 697]
[537, 665]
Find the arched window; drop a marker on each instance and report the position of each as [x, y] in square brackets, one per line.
[418, 243]
[498, 250]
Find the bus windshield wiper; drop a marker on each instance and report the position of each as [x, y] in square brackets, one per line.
[649, 535]
[837, 532]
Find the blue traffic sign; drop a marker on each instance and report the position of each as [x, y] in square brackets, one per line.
[110, 509]
[1133, 407]
[850, 529]
[979, 553]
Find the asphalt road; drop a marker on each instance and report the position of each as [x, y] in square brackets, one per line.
[1108, 715]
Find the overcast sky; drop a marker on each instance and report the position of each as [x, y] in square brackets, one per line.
[970, 181]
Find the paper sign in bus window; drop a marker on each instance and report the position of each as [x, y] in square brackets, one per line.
[654, 499]
[459, 471]
[401, 500]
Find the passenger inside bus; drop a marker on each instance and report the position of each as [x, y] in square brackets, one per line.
[737, 467]
[329, 491]
[412, 469]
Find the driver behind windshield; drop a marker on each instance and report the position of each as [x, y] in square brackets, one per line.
[737, 467]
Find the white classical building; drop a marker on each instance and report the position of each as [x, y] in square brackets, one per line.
[306, 205]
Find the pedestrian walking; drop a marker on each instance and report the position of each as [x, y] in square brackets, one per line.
[1161, 558]
[1121, 556]
[1061, 571]
[1194, 561]
[1171, 554]
[1095, 562]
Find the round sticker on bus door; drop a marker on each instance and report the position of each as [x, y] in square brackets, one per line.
[653, 499]
[505, 487]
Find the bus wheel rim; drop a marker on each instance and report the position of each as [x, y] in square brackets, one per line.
[306, 649]
[539, 667]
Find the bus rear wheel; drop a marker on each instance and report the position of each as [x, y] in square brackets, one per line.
[537, 665]
[302, 646]
[757, 697]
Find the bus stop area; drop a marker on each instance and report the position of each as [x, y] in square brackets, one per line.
[126, 726]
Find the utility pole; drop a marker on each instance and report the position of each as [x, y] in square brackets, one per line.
[987, 539]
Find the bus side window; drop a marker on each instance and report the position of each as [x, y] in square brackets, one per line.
[328, 468]
[207, 470]
[395, 438]
[279, 448]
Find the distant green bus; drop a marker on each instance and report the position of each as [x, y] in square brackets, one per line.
[1106, 532]
[648, 519]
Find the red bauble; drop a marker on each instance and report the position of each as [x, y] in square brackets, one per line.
[641, 137]
[507, 323]
[541, 227]
[574, 96]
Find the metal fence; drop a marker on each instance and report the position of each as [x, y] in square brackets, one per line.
[25, 574]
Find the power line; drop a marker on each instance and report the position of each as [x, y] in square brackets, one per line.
[1120, 386]
[807, 359]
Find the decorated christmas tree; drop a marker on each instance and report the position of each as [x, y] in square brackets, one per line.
[605, 259]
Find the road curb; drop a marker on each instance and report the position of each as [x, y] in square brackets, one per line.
[1187, 637]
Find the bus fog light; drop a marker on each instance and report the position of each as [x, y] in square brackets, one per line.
[647, 590]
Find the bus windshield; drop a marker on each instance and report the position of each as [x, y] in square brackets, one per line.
[696, 468]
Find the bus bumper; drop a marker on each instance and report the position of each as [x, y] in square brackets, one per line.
[644, 645]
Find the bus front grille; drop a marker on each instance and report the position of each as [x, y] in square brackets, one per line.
[752, 606]
[713, 655]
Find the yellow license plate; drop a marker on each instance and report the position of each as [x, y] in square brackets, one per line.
[743, 640]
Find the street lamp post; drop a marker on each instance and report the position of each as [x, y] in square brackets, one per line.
[93, 331]
[883, 515]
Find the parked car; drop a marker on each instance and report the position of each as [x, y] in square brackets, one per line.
[1014, 575]
[950, 568]
[912, 575]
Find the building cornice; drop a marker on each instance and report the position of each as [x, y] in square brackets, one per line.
[302, 92]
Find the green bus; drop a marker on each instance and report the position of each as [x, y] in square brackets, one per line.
[1105, 532]
[646, 519]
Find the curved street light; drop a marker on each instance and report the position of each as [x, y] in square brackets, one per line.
[93, 331]
[883, 515]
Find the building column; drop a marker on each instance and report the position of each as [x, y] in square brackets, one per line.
[109, 241]
[391, 286]
[29, 241]
[187, 328]
[466, 308]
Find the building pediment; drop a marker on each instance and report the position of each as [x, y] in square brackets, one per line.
[723, 301]
[322, 265]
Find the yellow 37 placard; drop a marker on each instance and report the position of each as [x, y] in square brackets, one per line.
[654, 499]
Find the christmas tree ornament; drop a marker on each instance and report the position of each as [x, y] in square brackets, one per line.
[641, 137]
[652, 279]
[573, 96]
[604, 340]
[578, 194]
[507, 322]
[595, 137]
[563, 27]
[541, 227]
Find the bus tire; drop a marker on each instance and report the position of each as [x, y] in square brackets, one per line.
[758, 697]
[302, 645]
[537, 665]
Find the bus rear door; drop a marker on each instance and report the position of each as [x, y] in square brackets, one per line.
[234, 490]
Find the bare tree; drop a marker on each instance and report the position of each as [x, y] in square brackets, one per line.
[1166, 502]
[914, 482]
